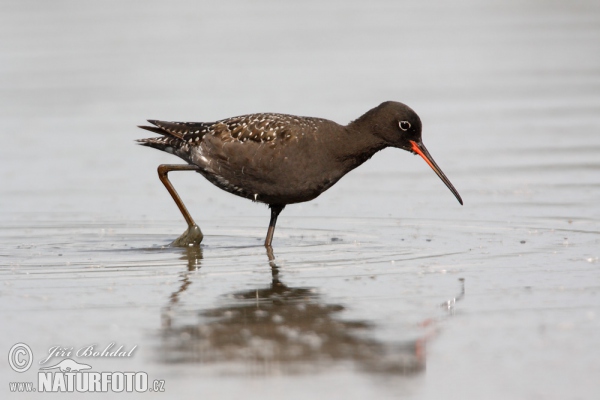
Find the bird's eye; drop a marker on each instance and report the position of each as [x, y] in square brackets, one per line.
[404, 125]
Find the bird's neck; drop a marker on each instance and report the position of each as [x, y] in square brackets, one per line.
[357, 142]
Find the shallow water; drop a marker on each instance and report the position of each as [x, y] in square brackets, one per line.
[383, 286]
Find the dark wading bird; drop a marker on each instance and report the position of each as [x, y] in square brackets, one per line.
[280, 159]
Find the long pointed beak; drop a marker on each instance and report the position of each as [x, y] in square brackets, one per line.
[420, 149]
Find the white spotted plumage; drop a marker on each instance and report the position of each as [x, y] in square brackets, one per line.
[252, 128]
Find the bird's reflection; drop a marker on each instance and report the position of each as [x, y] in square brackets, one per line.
[193, 256]
[278, 328]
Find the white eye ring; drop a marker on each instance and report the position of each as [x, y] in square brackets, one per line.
[404, 125]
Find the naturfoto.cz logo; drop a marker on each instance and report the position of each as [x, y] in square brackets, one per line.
[69, 375]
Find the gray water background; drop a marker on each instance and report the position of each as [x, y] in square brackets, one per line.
[509, 95]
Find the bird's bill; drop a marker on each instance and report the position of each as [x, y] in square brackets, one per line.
[420, 149]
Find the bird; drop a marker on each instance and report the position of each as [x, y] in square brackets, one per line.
[281, 159]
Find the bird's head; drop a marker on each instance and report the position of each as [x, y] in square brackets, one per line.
[399, 126]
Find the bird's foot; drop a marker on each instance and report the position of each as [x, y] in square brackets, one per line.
[191, 237]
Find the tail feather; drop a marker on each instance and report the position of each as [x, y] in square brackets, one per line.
[154, 129]
[168, 144]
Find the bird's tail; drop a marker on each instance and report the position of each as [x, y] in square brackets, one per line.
[177, 137]
[171, 140]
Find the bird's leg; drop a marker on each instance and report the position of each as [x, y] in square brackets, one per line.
[193, 235]
[274, 268]
[272, 263]
[275, 210]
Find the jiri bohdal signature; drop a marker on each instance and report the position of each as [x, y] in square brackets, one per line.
[91, 351]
